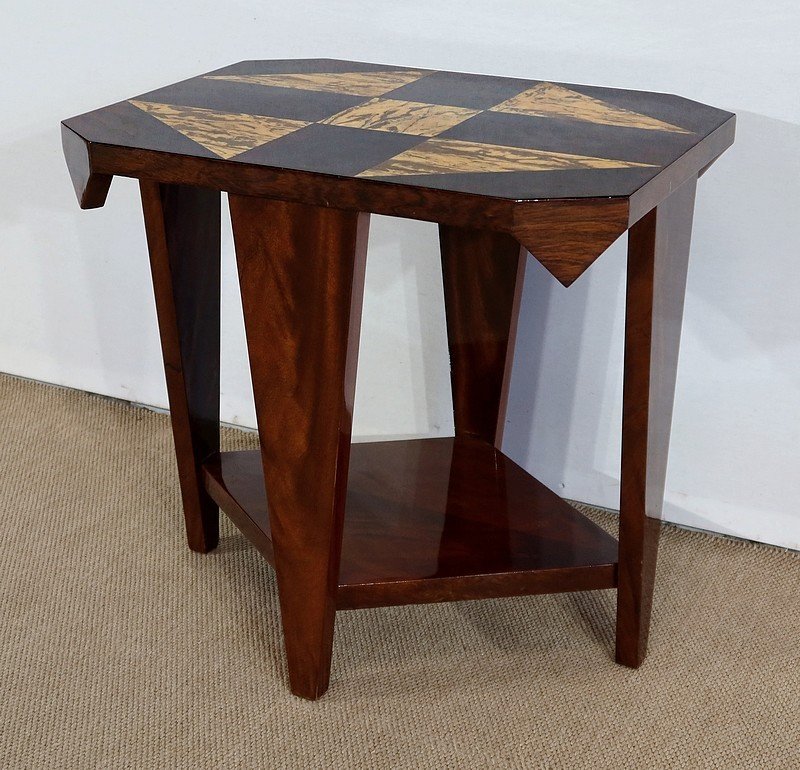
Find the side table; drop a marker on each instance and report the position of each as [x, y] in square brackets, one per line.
[306, 150]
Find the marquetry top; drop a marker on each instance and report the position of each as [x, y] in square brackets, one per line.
[496, 136]
[524, 156]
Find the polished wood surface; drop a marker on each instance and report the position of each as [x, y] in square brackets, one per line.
[302, 280]
[482, 273]
[494, 136]
[183, 236]
[658, 257]
[473, 151]
[306, 150]
[90, 187]
[432, 520]
[235, 480]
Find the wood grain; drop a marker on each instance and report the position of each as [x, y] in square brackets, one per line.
[551, 100]
[226, 134]
[436, 520]
[555, 144]
[236, 482]
[454, 156]
[301, 271]
[183, 236]
[403, 117]
[569, 237]
[566, 236]
[358, 83]
[483, 274]
[658, 256]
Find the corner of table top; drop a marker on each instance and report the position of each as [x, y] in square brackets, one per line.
[91, 188]
[691, 165]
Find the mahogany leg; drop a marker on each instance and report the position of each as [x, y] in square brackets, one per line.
[658, 256]
[183, 237]
[482, 273]
[301, 270]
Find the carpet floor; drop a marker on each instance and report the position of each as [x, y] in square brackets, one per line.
[121, 649]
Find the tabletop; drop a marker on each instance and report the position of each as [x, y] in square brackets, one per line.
[497, 136]
[428, 144]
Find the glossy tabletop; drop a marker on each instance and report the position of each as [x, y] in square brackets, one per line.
[525, 157]
[493, 136]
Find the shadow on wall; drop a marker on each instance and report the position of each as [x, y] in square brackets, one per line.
[736, 423]
[567, 374]
[403, 387]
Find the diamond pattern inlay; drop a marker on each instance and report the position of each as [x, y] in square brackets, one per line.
[229, 134]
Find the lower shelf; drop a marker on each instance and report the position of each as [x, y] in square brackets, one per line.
[436, 520]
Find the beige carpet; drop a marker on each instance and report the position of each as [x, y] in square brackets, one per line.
[121, 649]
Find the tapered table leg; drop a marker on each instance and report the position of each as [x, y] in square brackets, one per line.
[482, 273]
[658, 255]
[183, 236]
[301, 270]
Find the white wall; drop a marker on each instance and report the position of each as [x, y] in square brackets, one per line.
[76, 305]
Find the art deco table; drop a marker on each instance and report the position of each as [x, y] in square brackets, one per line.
[306, 150]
